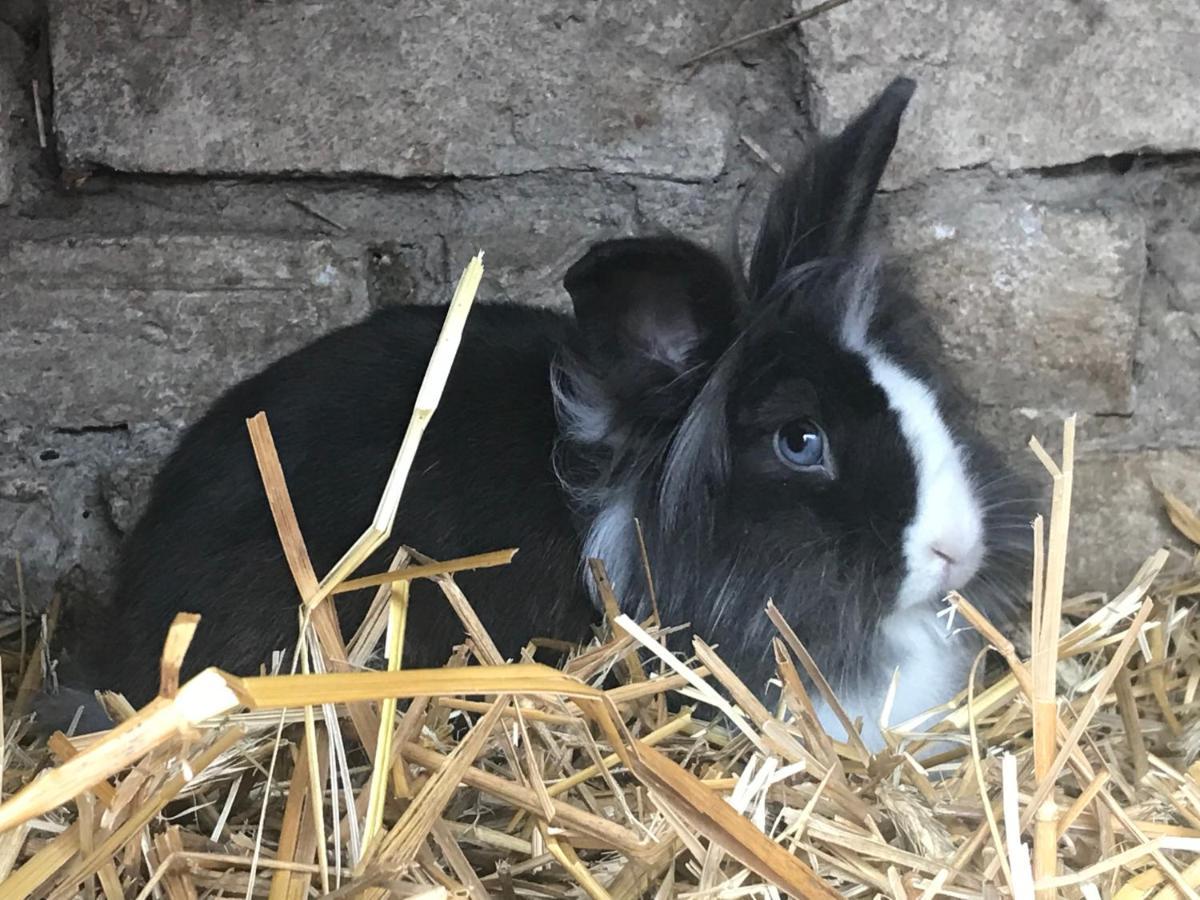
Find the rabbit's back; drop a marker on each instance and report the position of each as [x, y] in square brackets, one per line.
[482, 480]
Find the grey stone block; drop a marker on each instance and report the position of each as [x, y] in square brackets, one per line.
[104, 331]
[65, 497]
[1015, 85]
[1166, 411]
[1118, 518]
[531, 231]
[1037, 302]
[125, 490]
[1176, 256]
[1168, 389]
[412, 89]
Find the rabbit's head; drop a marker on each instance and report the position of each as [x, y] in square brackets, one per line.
[779, 436]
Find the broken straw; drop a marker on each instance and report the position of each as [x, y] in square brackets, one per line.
[428, 397]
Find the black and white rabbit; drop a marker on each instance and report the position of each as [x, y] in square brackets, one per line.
[777, 436]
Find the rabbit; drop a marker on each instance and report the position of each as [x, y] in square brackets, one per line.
[778, 434]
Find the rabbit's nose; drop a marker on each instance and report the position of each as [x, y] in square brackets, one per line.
[943, 554]
[957, 560]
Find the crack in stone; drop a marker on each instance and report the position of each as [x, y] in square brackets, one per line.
[116, 428]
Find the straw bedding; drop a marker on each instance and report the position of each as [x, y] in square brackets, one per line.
[1072, 773]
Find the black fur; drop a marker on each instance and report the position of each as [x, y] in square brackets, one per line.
[337, 409]
[659, 401]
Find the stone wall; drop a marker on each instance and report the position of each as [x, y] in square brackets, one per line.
[201, 187]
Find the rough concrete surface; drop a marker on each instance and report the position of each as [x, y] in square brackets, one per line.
[528, 251]
[196, 314]
[66, 497]
[1118, 518]
[223, 182]
[406, 89]
[1168, 407]
[1037, 303]
[1016, 85]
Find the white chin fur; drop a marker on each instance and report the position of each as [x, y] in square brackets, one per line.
[933, 664]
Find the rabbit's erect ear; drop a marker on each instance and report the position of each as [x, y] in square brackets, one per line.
[820, 207]
[661, 300]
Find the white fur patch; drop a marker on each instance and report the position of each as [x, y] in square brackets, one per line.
[608, 541]
[584, 411]
[943, 548]
[948, 519]
[862, 288]
[933, 661]
[933, 666]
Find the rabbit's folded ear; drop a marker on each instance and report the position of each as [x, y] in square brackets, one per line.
[658, 300]
[820, 207]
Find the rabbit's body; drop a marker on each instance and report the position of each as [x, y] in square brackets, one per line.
[481, 481]
[778, 438]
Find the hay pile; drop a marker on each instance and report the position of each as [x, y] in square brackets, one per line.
[1073, 775]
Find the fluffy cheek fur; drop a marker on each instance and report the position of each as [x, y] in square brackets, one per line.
[865, 619]
[834, 610]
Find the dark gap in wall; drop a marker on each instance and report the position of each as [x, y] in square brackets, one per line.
[1119, 164]
[93, 429]
[390, 281]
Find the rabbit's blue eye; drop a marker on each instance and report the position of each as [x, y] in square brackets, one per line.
[800, 444]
